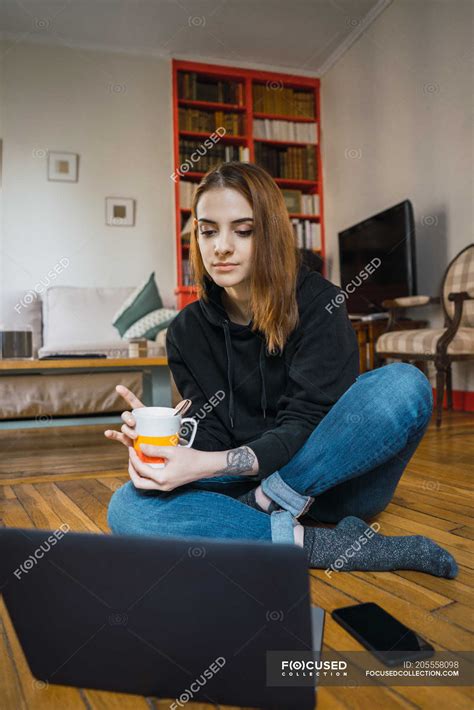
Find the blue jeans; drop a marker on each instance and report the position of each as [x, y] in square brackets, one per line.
[349, 465]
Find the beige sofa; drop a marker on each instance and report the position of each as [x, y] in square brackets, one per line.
[73, 320]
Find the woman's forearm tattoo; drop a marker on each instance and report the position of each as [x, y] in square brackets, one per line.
[239, 460]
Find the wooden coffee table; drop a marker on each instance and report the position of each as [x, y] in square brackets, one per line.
[156, 375]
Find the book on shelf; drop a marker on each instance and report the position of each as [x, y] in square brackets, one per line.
[310, 204]
[270, 129]
[298, 201]
[283, 100]
[186, 272]
[186, 227]
[186, 192]
[292, 163]
[307, 234]
[197, 87]
[207, 121]
[195, 154]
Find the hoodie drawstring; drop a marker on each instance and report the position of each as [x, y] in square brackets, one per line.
[228, 348]
[263, 398]
[230, 372]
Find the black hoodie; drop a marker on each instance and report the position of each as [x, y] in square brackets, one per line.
[241, 394]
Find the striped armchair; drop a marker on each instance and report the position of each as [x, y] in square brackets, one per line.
[455, 341]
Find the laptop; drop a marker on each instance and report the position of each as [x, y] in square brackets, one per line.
[181, 618]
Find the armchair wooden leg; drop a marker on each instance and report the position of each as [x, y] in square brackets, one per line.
[440, 376]
[449, 386]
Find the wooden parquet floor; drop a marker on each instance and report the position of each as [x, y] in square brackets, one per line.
[67, 474]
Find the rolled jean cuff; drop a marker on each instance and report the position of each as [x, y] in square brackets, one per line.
[282, 524]
[275, 488]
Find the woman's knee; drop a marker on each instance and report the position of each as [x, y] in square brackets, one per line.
[117, 508]
[405, 391]
[125, 509]
[416, 386]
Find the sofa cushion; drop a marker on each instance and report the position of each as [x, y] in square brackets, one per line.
[143, 300]
[80, 316]
[150, 325]
[424, 341]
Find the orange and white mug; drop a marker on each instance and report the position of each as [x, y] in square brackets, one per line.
[160, 427]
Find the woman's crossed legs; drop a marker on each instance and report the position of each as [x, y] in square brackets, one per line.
[349, 466]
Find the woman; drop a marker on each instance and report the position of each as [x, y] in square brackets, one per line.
[287, 426]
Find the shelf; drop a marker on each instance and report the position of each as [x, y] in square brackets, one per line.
[192, 175]
[279, 117]
[210, 105]
[285, 143]
[300, 215]
[185, 289]
[287, 182]
[295, 215]
[292, 215]
[228, 137]
[283, 182]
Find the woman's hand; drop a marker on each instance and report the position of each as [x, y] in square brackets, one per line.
[182, 465]
[127, 433]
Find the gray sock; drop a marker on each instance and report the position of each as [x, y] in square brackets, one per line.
[353, 545]
[249, 499]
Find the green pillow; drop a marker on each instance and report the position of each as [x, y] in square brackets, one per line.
[150, 325]
[143, 300]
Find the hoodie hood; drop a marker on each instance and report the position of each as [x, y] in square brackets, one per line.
[215, 313]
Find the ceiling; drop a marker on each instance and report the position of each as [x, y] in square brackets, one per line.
[303, 36]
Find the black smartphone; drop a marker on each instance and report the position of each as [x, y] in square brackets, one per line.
[382, 634]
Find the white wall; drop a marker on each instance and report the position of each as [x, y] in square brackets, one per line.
[397, 124]
[115, 111]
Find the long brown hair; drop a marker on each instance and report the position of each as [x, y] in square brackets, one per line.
[275, 257]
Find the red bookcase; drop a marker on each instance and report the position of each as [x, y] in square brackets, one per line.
[248, 102]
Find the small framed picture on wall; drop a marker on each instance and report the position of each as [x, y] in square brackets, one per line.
[120, 211]
[63, 166]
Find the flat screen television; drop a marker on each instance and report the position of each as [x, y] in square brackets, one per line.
[377, 259]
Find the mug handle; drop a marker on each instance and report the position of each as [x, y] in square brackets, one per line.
[193, 435]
